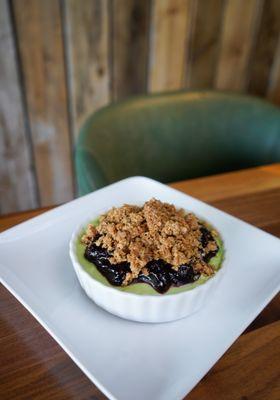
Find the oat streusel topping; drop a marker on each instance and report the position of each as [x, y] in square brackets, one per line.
[155, 231]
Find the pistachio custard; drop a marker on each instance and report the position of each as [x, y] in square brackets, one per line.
[151, 248]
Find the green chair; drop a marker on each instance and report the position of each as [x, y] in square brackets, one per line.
[175, 136]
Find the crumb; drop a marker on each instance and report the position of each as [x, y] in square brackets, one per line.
[89, 235]
[155, 231]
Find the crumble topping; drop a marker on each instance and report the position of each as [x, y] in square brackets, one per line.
[155, 231]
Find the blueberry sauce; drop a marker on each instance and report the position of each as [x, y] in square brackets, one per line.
[161, 276]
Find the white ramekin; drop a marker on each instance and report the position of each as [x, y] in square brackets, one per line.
[142, 308]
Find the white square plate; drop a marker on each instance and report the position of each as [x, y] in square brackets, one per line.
[128, 360]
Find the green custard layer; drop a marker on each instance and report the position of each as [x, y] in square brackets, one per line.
[144, 288]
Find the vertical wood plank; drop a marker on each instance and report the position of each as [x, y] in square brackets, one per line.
[266, 45]
[130, 35]
[17, 181]
[241, 21]
[273, 91]
[205, 44]
[170, 33]
[40, 43]
[87, 43]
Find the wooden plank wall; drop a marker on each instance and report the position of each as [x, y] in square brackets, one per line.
[60, 60]
[18, 188]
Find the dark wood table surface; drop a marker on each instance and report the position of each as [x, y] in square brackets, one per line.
[33, 366]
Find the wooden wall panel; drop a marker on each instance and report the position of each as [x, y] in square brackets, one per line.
[170, 34]
[241, 20]
[266, 45]
[17, 183]
[39, 36]
[205, 44]
[273, 91]
[130, 37]
[87, 47]
[61, 60]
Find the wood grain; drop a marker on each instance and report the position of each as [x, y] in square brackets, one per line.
[249, 370]
[17, 180]
[215, 188]
[170, 34]
[240, 24]
[224, 186]
[130, 35]
[34, 367]
[259, 209]
[73, 57]
[252, 195]
[12, 219]
[273, 90]
[266, 45]
[204, 45]
[86, 35]
[40, 43]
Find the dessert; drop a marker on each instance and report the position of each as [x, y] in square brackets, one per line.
[154, 248]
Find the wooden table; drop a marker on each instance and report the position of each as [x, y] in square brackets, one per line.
[33, 366]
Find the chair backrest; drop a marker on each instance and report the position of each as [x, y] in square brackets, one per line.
[174, 136]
